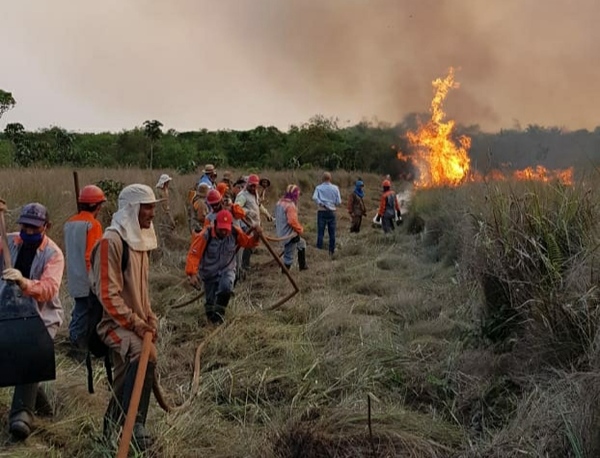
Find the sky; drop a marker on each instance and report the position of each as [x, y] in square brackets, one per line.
[236, 64]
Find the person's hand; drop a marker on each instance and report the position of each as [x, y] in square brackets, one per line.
[13, 275]
[153, 354]
[295, 239]
[153, 322]
[3, 206]
[194, 281]
[364, 214]
[269, 218]
[378, 218]
[257, 230]
[398, 214]
[140, 328]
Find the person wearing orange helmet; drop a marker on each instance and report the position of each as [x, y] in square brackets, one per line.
[81, 232]
[389, 209]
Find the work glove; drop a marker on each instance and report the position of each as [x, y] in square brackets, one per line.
[269, 218]
[399, 221]
[378, 218]
[398, 214]
[295, 239]
[140, 328]
[13, 275]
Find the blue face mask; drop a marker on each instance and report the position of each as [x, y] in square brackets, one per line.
[31, 239]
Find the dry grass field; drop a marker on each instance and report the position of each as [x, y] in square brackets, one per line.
[407, 320]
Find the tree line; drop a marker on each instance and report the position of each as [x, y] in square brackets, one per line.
[320, 142]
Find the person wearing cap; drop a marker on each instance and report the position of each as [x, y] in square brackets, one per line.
[289, 228]
[216, 202]
[356, 206]
[209, 176]
[388, 207]
[127, 313]
[248, 199]
[327, 197]
[81, 232]
[38, 269]
[212, 259]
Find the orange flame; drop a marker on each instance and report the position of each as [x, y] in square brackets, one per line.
[443, 161]
[440, 160]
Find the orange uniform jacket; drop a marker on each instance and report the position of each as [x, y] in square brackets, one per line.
[384, 202]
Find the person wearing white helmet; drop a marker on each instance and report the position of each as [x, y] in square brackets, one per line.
[123, 293]
[165, 223]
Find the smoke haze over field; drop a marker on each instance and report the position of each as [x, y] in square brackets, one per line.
[241, 63]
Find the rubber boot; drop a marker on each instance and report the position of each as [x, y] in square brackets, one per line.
[20, 419]
[141, 437]
[302, 260]
[222, 301]
[246, 258]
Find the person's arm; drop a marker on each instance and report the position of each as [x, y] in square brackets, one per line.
[265, 212]
[292, 219]
[338, 197]
[94, 234]
[315, 196]
[44, 289]
[381, 210]
[240, 199]
[351, 203]
[196, 252]
[238, 212]
[244, 240]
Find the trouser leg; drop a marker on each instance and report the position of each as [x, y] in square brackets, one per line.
[78, 327]
[288, 254]
[331, 227]
[320, 229]
[210, 295]
[21, 410]
[301, 245]
[223, 294]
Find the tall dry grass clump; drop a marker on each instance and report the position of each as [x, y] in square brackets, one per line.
[533, 253]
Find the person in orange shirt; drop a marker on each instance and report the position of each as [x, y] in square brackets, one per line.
[212, 259]
[81, 232]
[388, 207]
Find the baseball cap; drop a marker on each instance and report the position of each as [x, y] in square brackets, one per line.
[224, 219]
[34, 214]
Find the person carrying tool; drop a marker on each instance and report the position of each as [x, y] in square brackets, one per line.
[356, 206]
[123, 292]
[212, 259]
[198, 208]
[287, 225]
[249, 201]
[327, 197]
[81, 232]
[209, 176]
[163, 185]
[388, 207]
[38, 268]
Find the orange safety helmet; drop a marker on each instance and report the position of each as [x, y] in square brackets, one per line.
[213, 197]
[386, 184]
[91, 194]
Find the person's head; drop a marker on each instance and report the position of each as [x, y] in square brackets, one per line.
[386, 185]
[264, 183]
[223, 224]
[33, 221]
[223, 188]
[238, 186]
[91, 198]
[163, 181]
[326, 177]
[252, 184]
[292, 192]
[214, 200]
[142, 198]
[210, 171]
[202, 190]
[359, 184]
[227, 176]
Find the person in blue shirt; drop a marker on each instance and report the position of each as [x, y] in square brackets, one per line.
[209, 176]
[327, 197]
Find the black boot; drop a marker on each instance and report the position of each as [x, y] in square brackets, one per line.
[302, 259]
[141, 437]
[222, 301]
[21, 411]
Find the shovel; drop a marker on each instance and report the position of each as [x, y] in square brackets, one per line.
[26, 348]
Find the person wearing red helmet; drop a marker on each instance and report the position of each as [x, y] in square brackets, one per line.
[81, 233]
[388, 207]
[212, 259]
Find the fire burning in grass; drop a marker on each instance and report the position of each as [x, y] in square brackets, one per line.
[442, 159]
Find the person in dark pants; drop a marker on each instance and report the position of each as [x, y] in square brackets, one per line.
[327, 197]
[38, 269]
[212, 259]
[388, 208]
[356, 206]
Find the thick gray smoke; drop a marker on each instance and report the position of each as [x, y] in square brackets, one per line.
[237, 63]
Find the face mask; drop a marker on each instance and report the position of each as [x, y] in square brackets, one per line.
[31, 239]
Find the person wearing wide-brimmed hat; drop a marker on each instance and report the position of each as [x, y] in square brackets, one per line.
[38, 269]
[209, 176]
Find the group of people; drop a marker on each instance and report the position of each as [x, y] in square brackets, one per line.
[109, 269]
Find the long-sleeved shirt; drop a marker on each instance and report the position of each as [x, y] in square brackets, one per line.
[209, 255]
[206, 179]
[356, 205]
[251, 205]
[286, 218]
[388, 204]
[44, 279]
[327, 196]
[123, 294]
[81, 231]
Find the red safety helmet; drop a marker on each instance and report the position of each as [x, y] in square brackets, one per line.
[91, 194]
[213, 197]
[253, 179]
[386, 183]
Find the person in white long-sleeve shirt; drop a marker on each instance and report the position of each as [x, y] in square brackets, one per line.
[327, 197]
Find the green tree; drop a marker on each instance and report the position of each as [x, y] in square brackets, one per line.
[7, 101]
[152, 130]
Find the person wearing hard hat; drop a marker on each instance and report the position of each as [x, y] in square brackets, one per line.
[122, 289]
[38, 269]
[388, 207]
[81, 232]
[216, 202]
[212, 260]
[209, 176]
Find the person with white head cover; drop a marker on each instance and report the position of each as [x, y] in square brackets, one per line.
[165, 222]
[123, 293]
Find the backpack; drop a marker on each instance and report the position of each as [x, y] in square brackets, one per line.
[95, 346]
